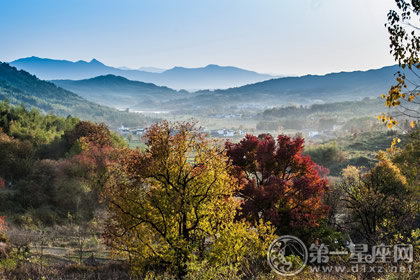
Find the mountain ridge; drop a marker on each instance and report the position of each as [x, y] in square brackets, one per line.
[305, 90]
[120, 92]
[192, 79]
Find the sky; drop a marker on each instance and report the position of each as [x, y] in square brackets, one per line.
[293, 37]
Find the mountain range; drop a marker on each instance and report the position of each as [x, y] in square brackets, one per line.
[309, 89]
[344, 86]
[209, 77]
[305, 90]
[120, 92]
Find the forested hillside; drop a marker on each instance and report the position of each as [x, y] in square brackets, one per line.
[22, 87]
[41, 166]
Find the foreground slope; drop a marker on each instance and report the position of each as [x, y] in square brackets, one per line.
[22, 87]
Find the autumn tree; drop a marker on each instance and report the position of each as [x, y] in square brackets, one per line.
[98, 149]
[403, 27]
[407, 158]
[95, 147]
[174, 204]
[86, 132]
[279, 184]
[380, 204]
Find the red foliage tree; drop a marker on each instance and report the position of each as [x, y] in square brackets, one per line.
[279, 184]
[2, 183]
[97, 160]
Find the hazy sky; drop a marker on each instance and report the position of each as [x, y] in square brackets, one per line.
[271, 36]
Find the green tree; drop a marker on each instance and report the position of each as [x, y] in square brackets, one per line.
[326, 155]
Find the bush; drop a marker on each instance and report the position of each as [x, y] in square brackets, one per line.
[328, 155]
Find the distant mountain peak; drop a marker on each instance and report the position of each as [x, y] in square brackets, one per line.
[95, 61]
[108, 77]
[177, 68]
[31, 59]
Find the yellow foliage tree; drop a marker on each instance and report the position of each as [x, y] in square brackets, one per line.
[403, 27]
[174, 204]
[380, 202]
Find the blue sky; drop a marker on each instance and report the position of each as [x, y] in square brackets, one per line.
[270, 36]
